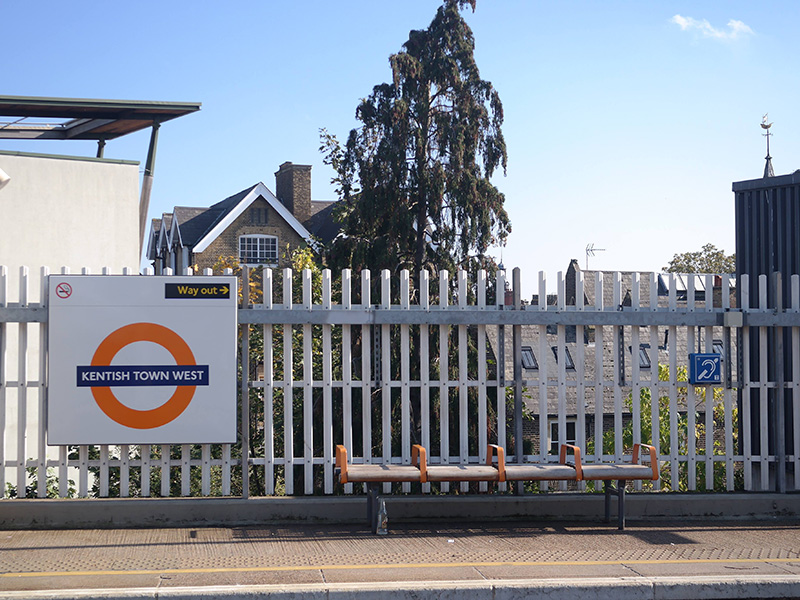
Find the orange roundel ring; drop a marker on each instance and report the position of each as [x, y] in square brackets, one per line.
[143, 332]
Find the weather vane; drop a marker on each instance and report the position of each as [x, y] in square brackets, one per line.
[768, 172]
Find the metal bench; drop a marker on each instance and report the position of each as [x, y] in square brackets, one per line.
[373, 475]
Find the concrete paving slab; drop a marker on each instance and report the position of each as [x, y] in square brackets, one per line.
[721, 569]
[560, 572]
[247, 579]
[403, 574]
[61, 584]
[791, 567]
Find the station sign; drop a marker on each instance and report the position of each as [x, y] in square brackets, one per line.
[141, 360]
[705, 368]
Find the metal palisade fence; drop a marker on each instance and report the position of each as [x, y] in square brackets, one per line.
[451, 363]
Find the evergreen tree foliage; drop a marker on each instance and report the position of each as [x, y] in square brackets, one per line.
[415, 176]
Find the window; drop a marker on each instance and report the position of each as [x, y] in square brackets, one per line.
[569, 364]
[644, 357]
[554, 441]
[528, 358]
[258, 249]
[258, 216]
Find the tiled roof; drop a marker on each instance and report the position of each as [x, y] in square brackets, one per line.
[321, 223]
[194, 222]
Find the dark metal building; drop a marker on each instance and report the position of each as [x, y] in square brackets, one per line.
[768, 243]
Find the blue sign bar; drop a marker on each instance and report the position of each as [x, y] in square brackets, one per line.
[142, 375]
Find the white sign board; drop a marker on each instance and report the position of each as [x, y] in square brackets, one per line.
[141, 360]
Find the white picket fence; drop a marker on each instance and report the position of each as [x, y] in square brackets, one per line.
[378, 366]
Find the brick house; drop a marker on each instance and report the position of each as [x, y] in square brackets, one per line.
[256, 226]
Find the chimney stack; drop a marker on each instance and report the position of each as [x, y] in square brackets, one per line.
[293, 189]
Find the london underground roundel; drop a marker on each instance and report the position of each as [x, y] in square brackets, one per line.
[142, 360]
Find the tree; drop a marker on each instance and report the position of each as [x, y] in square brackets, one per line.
[415, 176]
[708, 260]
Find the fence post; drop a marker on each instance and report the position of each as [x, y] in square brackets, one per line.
[516, 336]
[245, 387]
[780, 381]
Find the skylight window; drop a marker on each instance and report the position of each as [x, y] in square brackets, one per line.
[644, 356]
[569, 363]
[529, 359]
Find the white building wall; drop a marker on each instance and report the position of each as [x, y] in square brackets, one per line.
[64, 211]
[56, 212]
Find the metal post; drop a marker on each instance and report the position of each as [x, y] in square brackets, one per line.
[101, 146]
[621, 354]
[779, 418]
[147, 183]
[245, 390]
[517, 350]
[377, 370]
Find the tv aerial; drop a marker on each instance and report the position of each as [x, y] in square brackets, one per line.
[590, 251]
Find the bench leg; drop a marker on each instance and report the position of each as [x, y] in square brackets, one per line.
[619, 492]
[372, 506]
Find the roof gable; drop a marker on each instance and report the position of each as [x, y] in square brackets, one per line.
[164, 235]
[152, 240]
[233, 207]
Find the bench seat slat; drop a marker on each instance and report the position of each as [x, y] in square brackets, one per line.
[540, 472]
[462, 473]
[616, 471]
[368, 473]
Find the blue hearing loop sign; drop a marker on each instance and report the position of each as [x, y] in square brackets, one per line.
[705, 368]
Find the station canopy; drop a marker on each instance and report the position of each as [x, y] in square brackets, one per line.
[27, 118]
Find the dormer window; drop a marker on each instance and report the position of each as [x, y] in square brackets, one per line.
[258, 250]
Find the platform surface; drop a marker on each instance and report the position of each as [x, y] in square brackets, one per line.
[650, 559]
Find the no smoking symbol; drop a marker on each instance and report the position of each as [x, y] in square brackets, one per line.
[63, 290]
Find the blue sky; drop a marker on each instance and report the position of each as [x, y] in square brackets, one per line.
[626, 122]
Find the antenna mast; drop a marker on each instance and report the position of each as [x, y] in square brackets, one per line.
[590, 251]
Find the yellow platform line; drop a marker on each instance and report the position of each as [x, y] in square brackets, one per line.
[702, 561]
